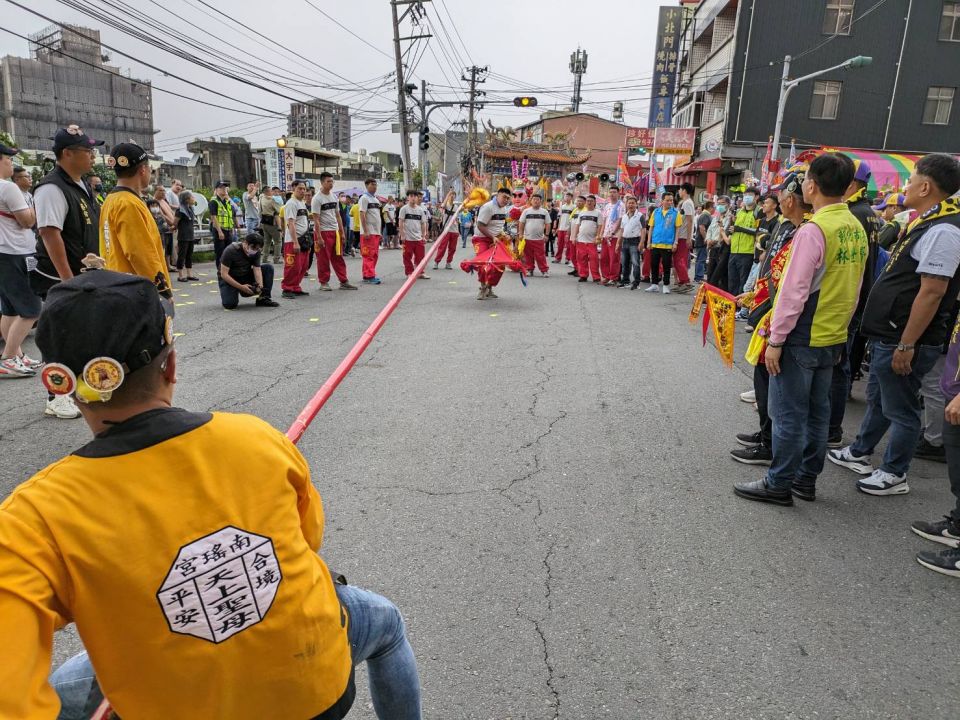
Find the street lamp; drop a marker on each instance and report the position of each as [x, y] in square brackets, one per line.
[282, 142]
[787, 85]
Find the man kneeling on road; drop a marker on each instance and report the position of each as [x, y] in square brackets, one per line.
[241, 273]
[194, 582]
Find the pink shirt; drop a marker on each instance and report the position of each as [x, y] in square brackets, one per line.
[806, 259]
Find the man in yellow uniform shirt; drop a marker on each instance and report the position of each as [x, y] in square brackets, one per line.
[129, 239]
[193, 578]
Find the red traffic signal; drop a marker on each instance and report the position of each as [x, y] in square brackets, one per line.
[525, 101]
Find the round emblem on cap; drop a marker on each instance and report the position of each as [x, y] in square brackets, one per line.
[103, 374]
[58, 379]
[168, 331]
[111, 161]
[123, 161]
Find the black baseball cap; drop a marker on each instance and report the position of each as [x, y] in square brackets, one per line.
[71, 136]
[127, 155]
[98, 327]
[6, 150]
[224, 183]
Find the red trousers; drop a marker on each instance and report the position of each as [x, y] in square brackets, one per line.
[609, 259]
[535, 252]
[294, 267]
[413, 251]
[681, 262]
[588, 262]
[370, 252]
[572, 253]
[325, 248]
[645, 273]
[487, 275]
[563, 237]
[448, 245]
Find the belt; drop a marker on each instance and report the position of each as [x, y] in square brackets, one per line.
[637, 238]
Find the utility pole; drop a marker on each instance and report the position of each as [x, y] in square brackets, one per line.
[424, 128]
[401, 83]
[578, 66]
[472, 104]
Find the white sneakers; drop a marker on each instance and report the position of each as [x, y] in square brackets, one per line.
[666, 290]
[883, 483]
[62, 407]
[749, 396]
[653, 289]
[15, 367]
[844, 457]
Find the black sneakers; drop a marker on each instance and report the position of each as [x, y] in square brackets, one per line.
[835, 440]
[753, 455]
[266, 302]
[945, 563]
[749, 439]
[927, 451]
[946, 531]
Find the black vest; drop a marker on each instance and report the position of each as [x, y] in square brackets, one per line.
[863, 212]
[81, 226]
[891, 299]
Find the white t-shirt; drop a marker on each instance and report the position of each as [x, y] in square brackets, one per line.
[493, 216]
[588, 222]
[565, 211]
[534, 222]
[14, 240]
[327, 208]
[296, 209]
[938, 251]
[371, 206]
[172, 200]
[391, 212]
[632, 225]
[412, 220]
[51, 205]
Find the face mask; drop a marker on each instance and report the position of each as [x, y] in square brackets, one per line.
[252, 253]
[748, 200]
[155, 210]
[721, 208]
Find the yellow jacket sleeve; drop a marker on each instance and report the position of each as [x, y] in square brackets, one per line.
[140, 242]
[31, 576]
[309, 504]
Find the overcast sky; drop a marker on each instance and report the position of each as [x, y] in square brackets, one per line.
[526, 45]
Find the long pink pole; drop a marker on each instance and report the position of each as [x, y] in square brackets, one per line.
[309, 412]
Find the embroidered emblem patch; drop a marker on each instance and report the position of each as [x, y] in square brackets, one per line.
[220, 584]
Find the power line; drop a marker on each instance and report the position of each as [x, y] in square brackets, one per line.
[139, 82]
[344, 27]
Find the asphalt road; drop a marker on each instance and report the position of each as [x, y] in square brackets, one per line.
[542, 484]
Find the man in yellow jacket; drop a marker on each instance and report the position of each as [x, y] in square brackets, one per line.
[129, 238]
[193, 577]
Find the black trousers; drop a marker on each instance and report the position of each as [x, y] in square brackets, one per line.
[660, 256]
[184, 254]
[717, 266]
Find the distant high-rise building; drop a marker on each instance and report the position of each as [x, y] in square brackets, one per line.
[67, 81]
[322, 121]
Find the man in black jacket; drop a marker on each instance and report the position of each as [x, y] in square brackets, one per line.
[848, 369]
[906, 320]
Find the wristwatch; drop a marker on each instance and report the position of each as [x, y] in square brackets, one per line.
[901, 347]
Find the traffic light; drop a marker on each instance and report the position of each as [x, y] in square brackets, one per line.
[424, 138]
[525, 101]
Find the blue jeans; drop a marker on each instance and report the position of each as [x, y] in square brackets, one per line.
[893, 401]
[230, 296]
[465, 234]
[251, 224]
[377, 635]
[799, 405]
[630, 257]
[700, 264]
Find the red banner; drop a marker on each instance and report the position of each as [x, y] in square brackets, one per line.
[638, 138]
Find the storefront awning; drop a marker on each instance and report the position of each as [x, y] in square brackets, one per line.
[712, 165]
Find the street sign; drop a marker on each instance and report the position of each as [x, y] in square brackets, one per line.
[638, 138]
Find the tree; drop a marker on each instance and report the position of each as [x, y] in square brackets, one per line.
[106, 174]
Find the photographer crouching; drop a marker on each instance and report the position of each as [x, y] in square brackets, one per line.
[241, 274]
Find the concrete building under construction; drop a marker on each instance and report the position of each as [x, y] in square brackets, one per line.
[66, 80]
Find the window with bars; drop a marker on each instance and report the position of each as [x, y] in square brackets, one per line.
[838, 17]
[950, 21]
[936, 110]
[826, 99]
